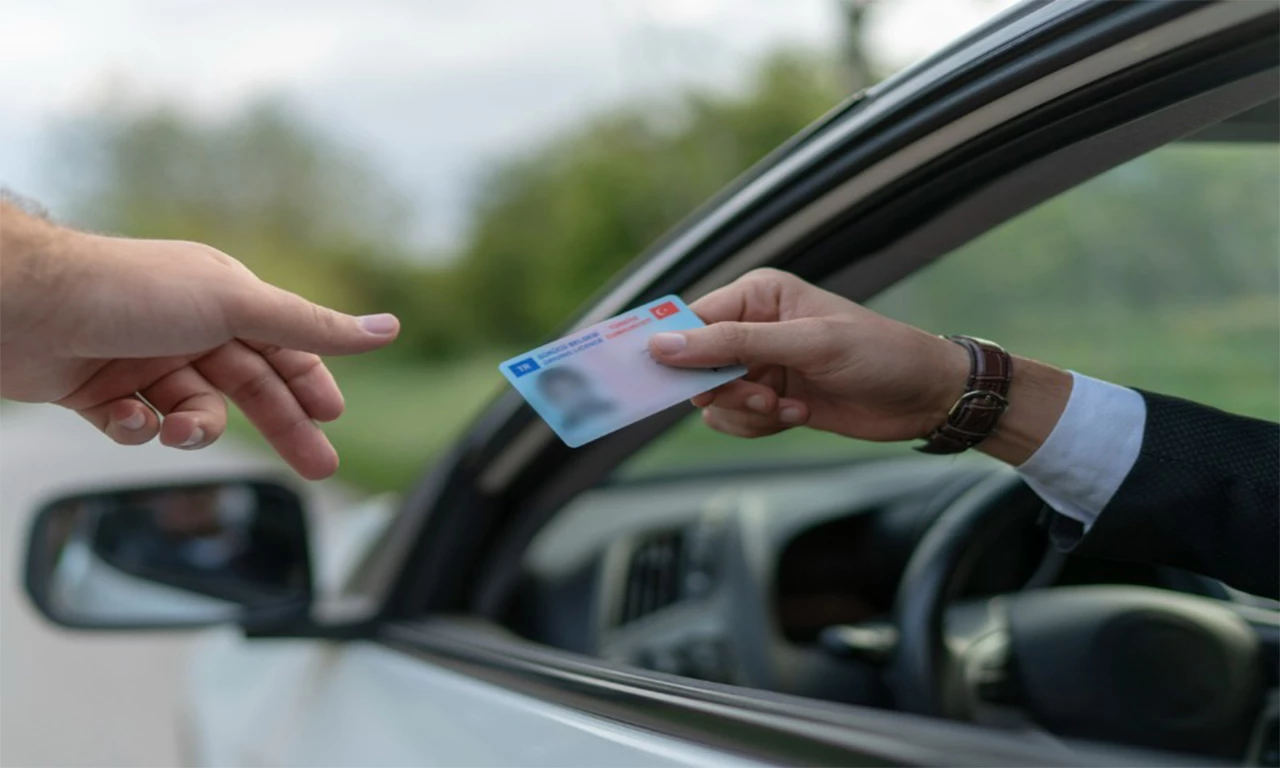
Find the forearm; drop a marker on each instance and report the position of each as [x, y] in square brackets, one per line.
[1038, 395]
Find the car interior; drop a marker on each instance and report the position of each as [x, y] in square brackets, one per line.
[808, 565]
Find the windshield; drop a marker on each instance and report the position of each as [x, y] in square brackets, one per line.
[1160, 274]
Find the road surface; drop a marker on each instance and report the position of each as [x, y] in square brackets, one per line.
[91, 699]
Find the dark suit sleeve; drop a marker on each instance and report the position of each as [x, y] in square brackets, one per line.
[1204, 495]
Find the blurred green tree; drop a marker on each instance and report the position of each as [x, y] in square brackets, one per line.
[552, 226]
[549, 226]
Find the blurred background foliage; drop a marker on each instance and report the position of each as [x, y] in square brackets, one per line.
[552, 227]
[1112, 282]
[549, 227]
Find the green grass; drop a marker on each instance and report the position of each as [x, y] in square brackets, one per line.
[401, 415]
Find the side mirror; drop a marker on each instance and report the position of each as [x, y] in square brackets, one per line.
[174, 556]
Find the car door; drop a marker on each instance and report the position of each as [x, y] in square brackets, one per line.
[1043, 98]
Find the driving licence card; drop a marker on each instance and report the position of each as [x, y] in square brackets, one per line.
[600, 379]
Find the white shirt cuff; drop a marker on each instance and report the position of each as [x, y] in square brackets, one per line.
[1091, 450]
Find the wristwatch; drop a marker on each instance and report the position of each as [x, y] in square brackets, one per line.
[974, 416]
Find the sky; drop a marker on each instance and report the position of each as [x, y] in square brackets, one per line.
[431, 92]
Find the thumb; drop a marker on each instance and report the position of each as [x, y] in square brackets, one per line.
[275, 316]
[793, 343]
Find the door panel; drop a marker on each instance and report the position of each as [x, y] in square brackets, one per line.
[306, 703]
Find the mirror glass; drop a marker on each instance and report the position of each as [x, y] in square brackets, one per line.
[179, 555]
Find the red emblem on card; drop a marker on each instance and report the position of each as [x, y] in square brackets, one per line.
[666, 309]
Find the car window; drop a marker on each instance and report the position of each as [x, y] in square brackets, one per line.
[1161, 274]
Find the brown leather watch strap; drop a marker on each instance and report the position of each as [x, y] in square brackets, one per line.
[974, 416]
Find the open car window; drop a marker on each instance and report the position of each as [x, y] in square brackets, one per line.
[1160, 274]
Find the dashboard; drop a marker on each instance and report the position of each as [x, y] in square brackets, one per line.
[785, 579]
[735, 577]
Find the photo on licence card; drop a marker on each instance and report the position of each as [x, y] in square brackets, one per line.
[601, 378]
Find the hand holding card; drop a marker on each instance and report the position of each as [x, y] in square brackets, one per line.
[601, 379]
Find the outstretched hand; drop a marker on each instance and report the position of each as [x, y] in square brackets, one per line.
[819, 360]
[815, 359]
[146, 337]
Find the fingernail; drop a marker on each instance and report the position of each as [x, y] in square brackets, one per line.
[136, 420]
[669, 343]
[196, 438]
[757, 403]
[789, 415]
[379, 325]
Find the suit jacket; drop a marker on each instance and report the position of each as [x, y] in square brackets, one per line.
[1204, 495]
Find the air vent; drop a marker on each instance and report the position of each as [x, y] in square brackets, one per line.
[654, 575]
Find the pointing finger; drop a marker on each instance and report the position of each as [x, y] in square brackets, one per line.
[272, 315]
[308, 378]
[259, 391]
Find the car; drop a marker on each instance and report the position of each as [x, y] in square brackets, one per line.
[667, 596]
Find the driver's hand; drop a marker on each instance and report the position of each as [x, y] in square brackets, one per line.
[815, 359]
[146, 337]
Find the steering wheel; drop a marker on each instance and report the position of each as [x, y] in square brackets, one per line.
[1127, 664]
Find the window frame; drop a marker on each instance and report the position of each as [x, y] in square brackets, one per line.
[945, 228]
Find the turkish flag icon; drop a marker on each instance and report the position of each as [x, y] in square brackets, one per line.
[665, 309]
